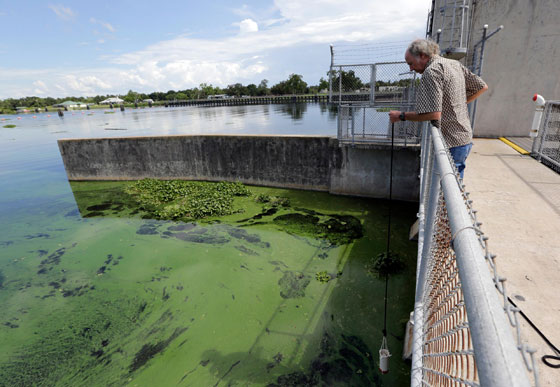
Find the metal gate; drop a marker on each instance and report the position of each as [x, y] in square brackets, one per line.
[546, 147]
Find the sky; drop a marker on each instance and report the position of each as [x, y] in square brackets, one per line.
[88, 48]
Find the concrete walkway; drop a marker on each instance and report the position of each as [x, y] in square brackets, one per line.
[518, 202]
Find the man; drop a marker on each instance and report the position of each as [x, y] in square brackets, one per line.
[445, 90]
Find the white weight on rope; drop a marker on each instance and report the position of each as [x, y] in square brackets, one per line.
[384, 356]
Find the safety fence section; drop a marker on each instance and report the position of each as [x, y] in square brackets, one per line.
[546, 146]
[461, 334]
[365, 94]
[363, 123]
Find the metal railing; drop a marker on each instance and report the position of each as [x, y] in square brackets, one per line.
[363, 124]
[546, 146]
[452, 18]
[461, 333]
[365, 93]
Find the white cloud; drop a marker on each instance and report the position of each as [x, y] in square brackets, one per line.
[40, 88]
[248, 25]
[102, 23]
[247, 57]
[64, 13]
[84, 84]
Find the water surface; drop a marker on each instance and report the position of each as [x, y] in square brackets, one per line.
[94, 295]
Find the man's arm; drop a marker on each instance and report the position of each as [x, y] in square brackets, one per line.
[477, 94]
[474, 85]
[394, 116]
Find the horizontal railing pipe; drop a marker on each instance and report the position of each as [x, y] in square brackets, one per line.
[499, 362]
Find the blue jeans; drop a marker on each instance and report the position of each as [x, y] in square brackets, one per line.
[459, 154]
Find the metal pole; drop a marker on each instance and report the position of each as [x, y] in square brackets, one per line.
[452, 37]
[499, 362]
[340, 84]
[331, 73]
[364, 123]
[351, 116]
[483, 41]
[339, 122]
[463, 10]
[372, 84]
[425, 238]
[479, 71]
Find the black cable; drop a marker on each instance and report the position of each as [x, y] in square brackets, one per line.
[545, 358]
[389, 225]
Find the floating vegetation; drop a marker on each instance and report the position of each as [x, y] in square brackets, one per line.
[385, 264]
[97, 199]
[323, 277]
[148, 351]
[274, 201]
[337, 229]
[66, 336]
[9, 126]
[185, 200]
[343, 361]
[293, 284]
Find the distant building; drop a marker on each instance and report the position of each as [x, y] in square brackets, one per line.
[390, 88]
[114, 100]
[148, 100]
[218, 96]
[71, 105]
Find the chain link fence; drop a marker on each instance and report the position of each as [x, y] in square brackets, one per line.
[366, 93]
[546, 147]
[461, 333]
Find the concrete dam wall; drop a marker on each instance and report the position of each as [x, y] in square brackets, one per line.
[302, 162]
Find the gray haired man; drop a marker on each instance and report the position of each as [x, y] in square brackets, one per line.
[445, 90]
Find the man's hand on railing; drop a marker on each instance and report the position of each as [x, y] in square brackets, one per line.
[394, 116]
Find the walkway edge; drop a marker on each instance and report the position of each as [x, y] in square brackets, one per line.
[514, 146]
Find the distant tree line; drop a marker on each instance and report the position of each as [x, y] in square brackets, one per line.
[293, 85]
[348, 81]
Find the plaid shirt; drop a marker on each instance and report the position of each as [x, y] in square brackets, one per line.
[444, 88]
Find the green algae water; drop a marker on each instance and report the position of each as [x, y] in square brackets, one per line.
[94, 292]
[116, 299]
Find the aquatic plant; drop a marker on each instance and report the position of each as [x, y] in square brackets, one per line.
[323, 277]
[274, 201]
[386, 263]
[262, 198]
[184, 200]
[293, 284]
[336, 229]
[9, 126]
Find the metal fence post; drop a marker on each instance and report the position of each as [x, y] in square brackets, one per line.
[425, 237]
[372, 84]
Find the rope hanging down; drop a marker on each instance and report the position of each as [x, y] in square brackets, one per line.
[384, 353]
